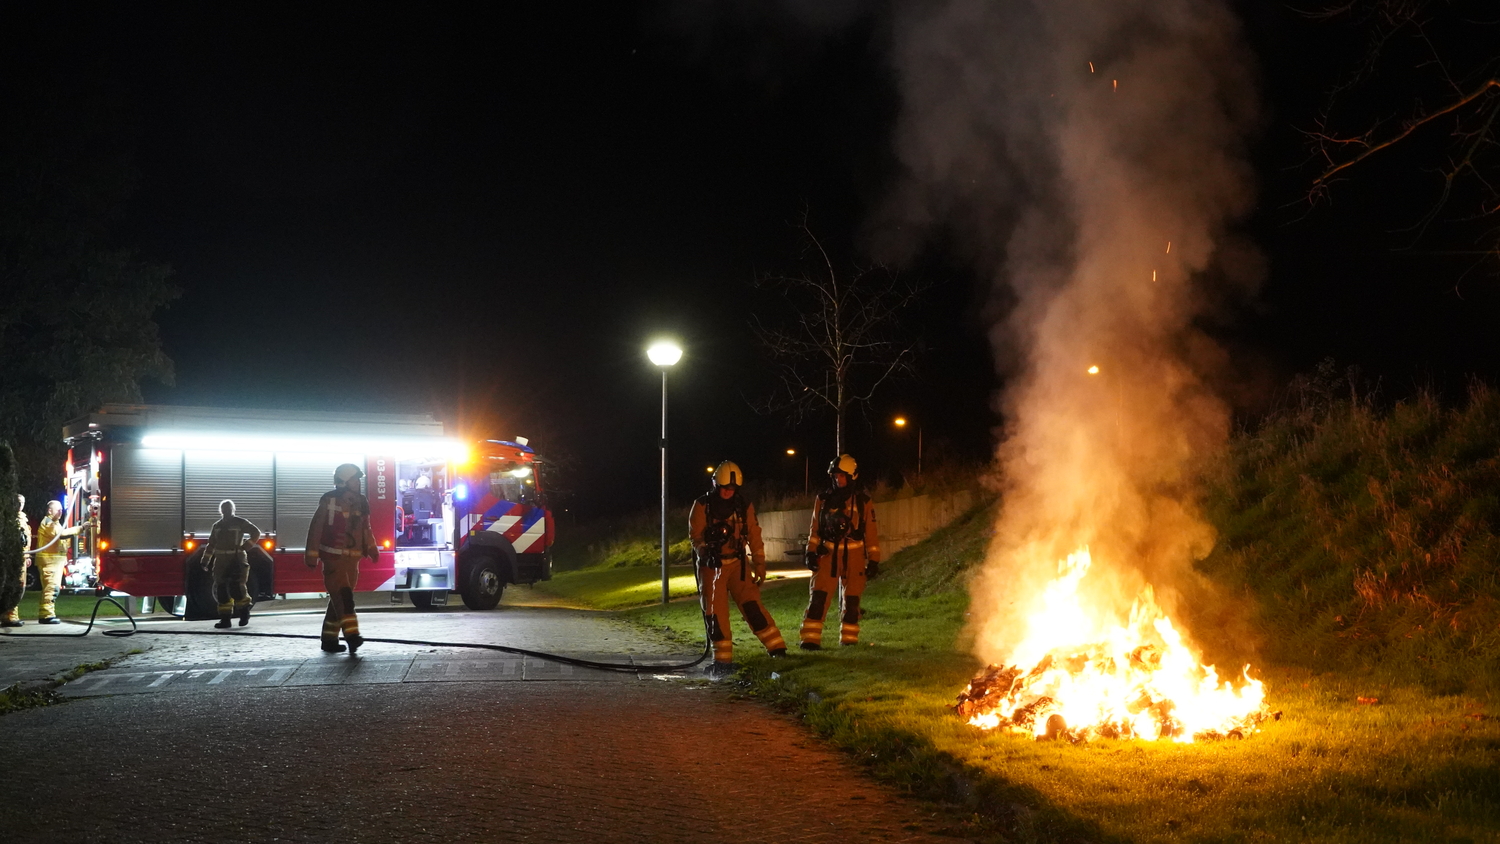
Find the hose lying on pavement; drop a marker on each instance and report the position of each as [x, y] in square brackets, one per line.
[565, 660]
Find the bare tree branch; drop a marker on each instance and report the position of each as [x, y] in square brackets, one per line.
[841, 340]
[1370, 148]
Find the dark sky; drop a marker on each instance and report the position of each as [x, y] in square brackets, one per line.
[486, 212]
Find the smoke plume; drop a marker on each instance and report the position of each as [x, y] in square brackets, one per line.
[1091, 154]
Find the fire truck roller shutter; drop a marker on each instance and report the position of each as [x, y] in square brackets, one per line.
[212, 476]
[145, 501]
[301, 479]
[484, 569]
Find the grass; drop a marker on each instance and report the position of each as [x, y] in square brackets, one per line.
[1417, 765]
[68, 606]
[617, 588]
[1369, 536]
[33, 695]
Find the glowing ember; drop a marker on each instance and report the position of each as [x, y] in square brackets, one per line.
[1085, 677]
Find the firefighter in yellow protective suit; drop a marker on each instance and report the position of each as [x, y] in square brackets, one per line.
[338, 537]
[13, 615]
[843, 551]
[722, 525]
[227, 557]
[51, 559]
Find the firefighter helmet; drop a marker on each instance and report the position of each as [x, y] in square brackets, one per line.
[728, 474]
[345, 473]
[846, 464]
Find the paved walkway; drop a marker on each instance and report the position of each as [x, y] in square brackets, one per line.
[148, 676]
[224, 737]
[37, 652]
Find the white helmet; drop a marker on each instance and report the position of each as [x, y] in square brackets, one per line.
[728, 474]
[343, 474]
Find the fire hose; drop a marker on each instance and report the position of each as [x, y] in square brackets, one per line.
[550, 657]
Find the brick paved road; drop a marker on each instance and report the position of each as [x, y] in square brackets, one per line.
[426, 754]
[645, 761]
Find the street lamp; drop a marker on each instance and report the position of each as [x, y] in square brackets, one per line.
[900, 422]
[792, 452]
[664, 353]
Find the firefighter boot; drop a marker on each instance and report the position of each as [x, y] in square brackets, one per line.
[244, 614]
[332, 648]
[354, 640]
[223, 621]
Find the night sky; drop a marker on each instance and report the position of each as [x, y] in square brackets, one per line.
[487, 214]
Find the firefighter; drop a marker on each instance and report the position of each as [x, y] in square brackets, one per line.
[226, 556]
[721, 525]
[339, 536]
[13, 615]
[51, 559]
[843, 551]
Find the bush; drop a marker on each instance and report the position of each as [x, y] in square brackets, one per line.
[1369, 536]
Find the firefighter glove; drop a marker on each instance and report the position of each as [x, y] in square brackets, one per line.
[374, 555]
[811, 559]
[311, 560]
[872, 569]
[759, 572]
[709, 558]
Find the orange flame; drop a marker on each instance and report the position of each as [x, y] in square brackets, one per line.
[1082, 675]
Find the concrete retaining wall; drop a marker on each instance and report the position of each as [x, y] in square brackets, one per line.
[903, 522]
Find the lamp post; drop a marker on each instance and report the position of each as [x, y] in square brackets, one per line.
[900, 422]
[792, 452]
[664, 353]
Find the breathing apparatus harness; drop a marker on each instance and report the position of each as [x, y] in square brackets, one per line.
[836, 527]
[723, 516]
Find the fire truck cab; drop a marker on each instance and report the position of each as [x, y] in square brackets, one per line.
[449, 516]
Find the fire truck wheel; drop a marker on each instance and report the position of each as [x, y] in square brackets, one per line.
[420, 600]
[482, 585]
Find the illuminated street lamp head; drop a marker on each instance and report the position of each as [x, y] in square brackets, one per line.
[664, 353]
[1093, 370]
[900, 421]
[791, 451]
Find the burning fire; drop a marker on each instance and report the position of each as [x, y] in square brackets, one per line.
[1079, 676]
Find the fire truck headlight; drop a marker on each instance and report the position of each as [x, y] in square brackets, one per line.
[524, 471]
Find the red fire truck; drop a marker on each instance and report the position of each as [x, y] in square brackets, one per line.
[448, 515]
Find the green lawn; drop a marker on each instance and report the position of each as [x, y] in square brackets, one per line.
[1414, 767]
[72, 606]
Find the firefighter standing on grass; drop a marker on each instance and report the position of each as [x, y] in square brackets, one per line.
[228, 542]
[338, 537]
[843, 551]
[721, 525]
[51, 559]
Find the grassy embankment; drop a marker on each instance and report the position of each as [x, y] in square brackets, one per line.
[1365, 539]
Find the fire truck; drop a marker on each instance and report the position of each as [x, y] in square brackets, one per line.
[449, 516]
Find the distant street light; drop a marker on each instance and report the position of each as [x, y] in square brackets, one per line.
[792, 452]
[900, 422]
[664, 353]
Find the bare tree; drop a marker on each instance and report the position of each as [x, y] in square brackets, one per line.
[1428, 83]
[842, 337]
